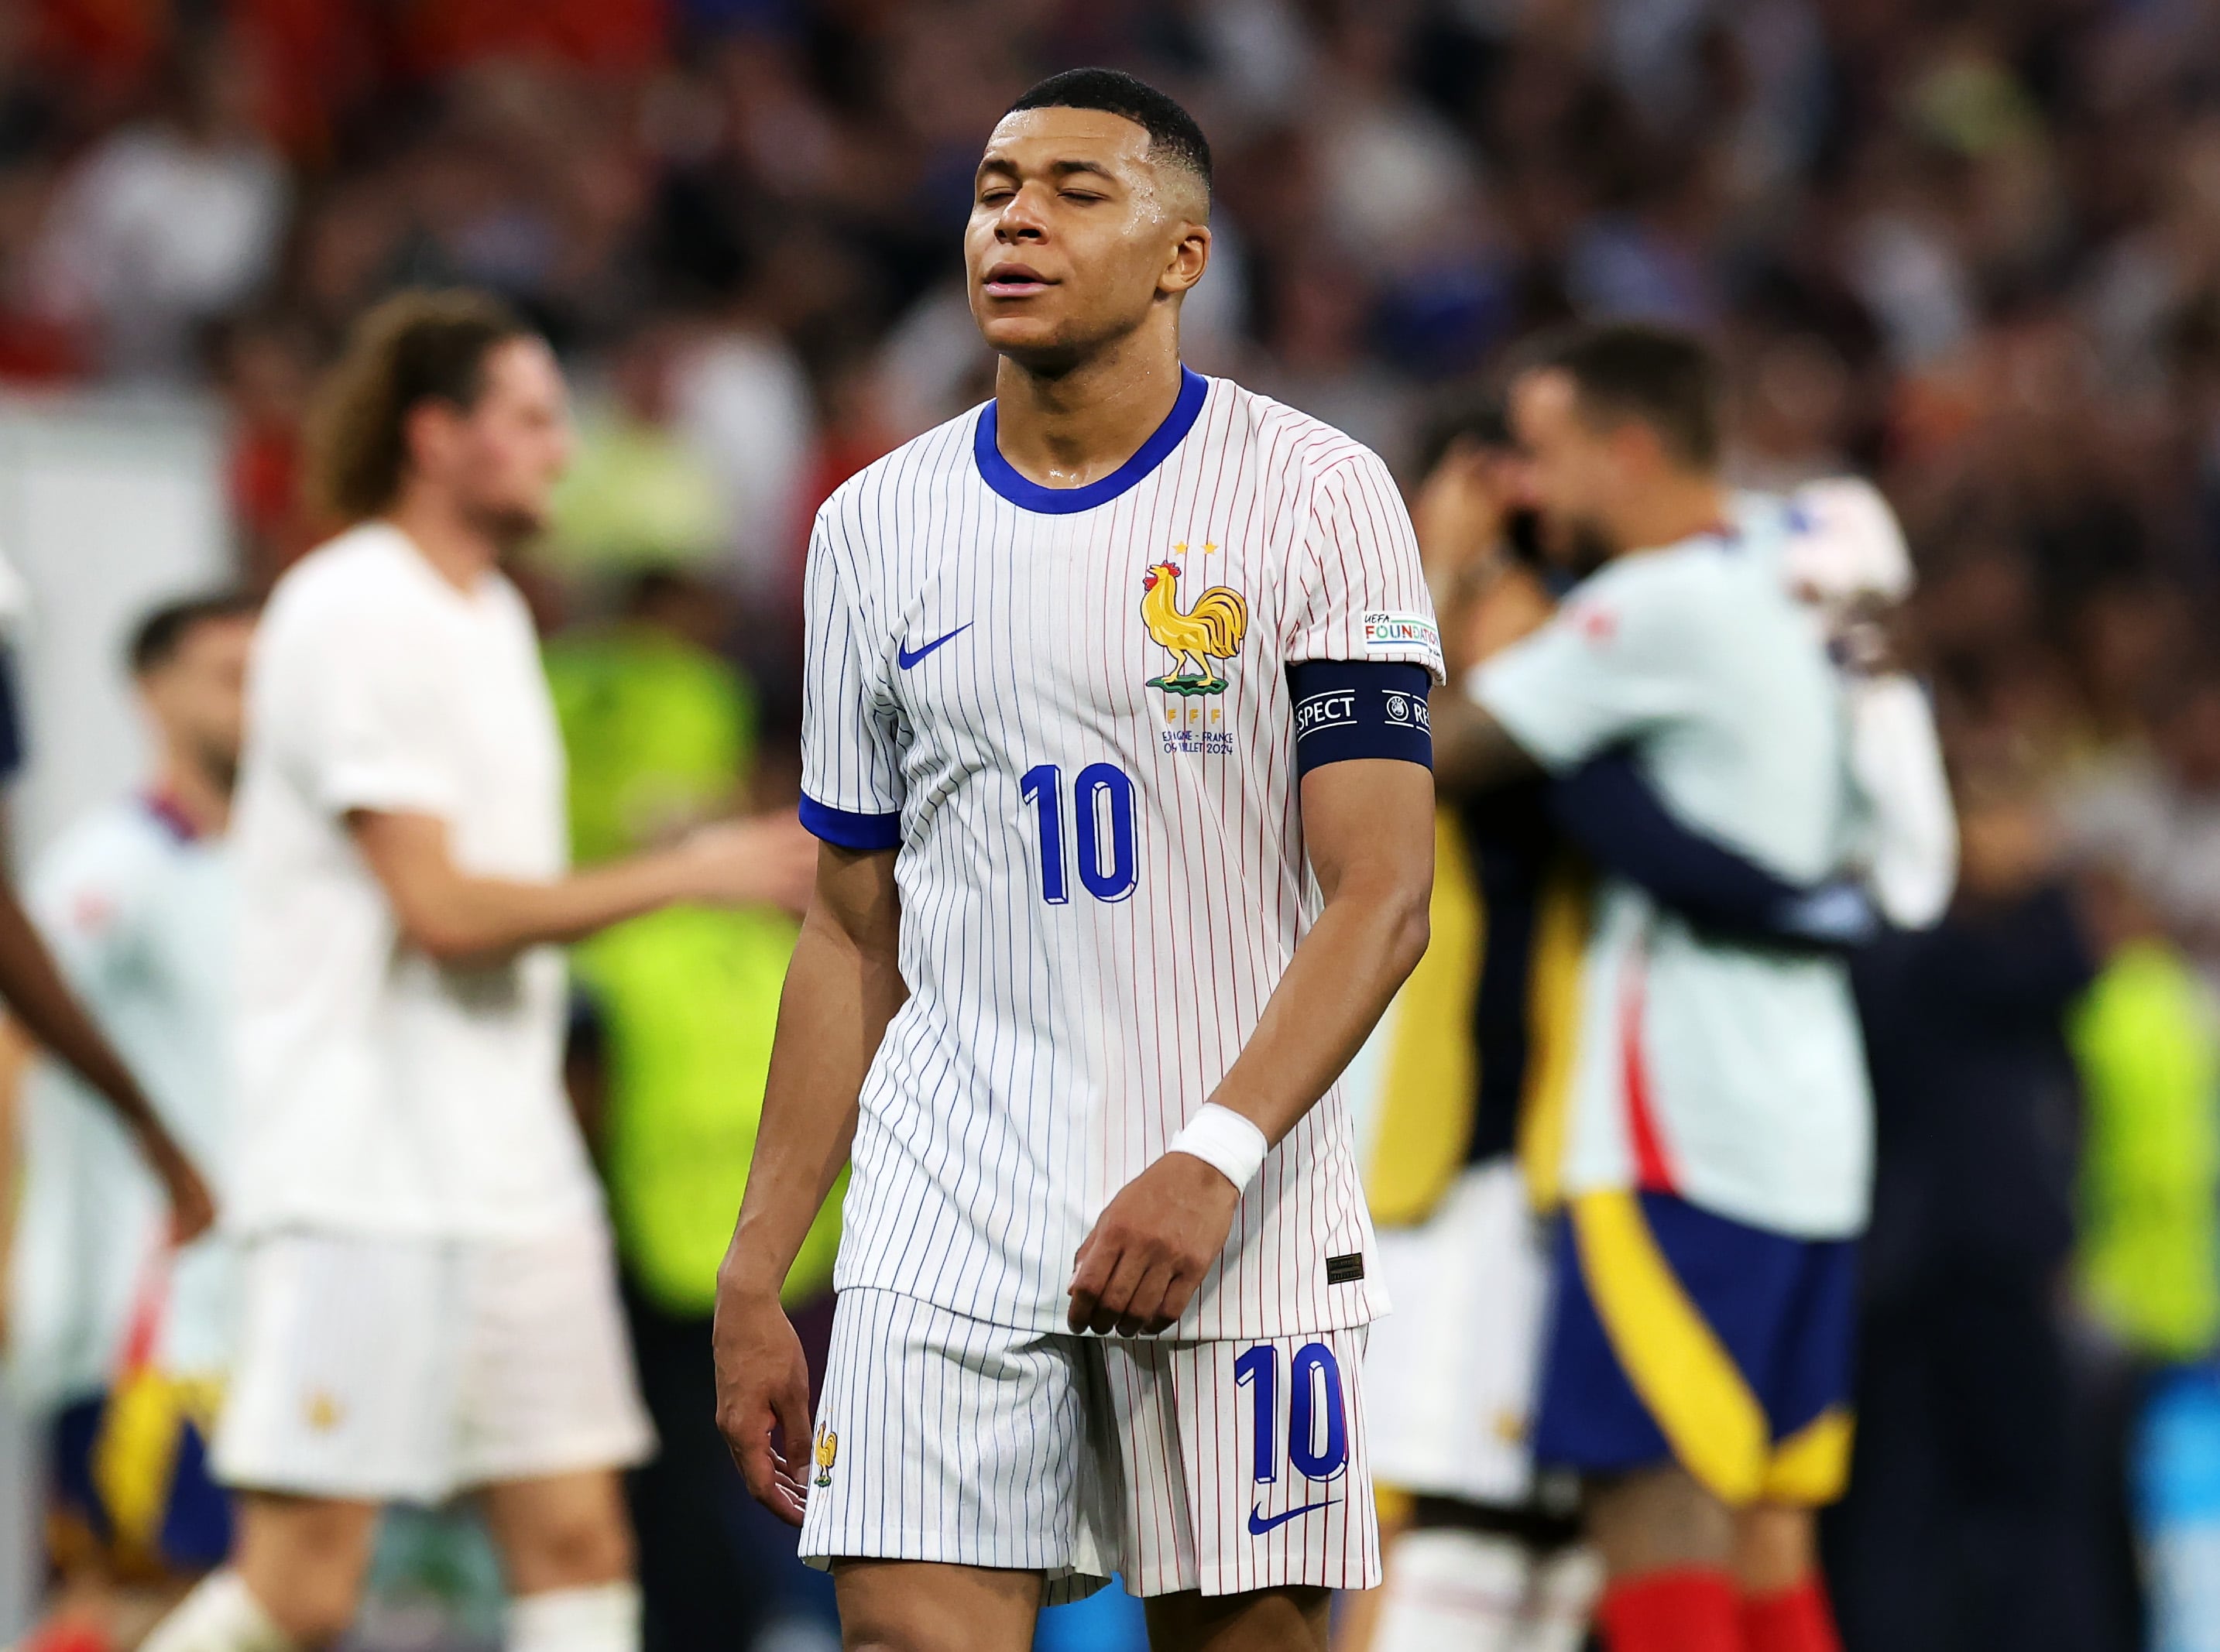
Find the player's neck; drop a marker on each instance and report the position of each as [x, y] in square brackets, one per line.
[201, 800]
[1068, 429]
[1675, 508]
[460, 552]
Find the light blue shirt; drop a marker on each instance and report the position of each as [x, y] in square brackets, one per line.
[139, 914]
[1732, 1076]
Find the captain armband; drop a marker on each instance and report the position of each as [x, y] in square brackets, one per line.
[1349, 708]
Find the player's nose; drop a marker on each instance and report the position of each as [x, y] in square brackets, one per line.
[1020, 218]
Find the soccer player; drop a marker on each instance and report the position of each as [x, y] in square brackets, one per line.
[429, 1297]
[1469, 1068]
[1114, 733]
[120, 1345]
[1718, 1151]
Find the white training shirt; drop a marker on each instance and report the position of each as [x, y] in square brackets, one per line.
[138, 911]
[982, 683]
[381, 1091]
[1731, 1077]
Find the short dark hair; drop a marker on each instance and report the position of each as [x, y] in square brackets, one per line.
[1668, 380]
[416, 346]
[157, 638]
[1172, 131]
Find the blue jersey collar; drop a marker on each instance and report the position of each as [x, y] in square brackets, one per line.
[1002, 476]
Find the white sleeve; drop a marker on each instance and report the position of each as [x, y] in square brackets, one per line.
[1363, 593]
[1601, 671]
[380, 733]
[1911, 835]
[851, 783]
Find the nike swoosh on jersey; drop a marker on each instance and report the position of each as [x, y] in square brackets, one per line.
[1259, 1523]
[907, 657]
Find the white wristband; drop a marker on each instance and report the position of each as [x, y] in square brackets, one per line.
[1225, 1141]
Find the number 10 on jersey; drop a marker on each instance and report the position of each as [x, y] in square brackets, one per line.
[1102, 816]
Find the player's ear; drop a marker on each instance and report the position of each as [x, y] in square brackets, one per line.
[1190, 257]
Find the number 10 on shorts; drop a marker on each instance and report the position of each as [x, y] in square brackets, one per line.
[1317, 1422]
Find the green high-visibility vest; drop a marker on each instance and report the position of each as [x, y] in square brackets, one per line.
[2145, 1041]
[660, 734]
[688, 999]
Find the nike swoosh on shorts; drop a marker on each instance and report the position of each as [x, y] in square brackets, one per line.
[1259, 1523]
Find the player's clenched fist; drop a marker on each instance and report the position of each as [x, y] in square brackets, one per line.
[763, 1382]
[1152, 1246]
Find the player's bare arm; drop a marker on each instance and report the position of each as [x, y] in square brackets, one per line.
[1368, 825]
[458, 918]
[843, 987]
[36, 992]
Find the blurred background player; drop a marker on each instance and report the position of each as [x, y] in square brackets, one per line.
[1718, 1151]
[429, 1302]
[118, 1344]
[1464, 1138]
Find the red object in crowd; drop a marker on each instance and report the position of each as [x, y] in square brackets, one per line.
[68, 1634]
[263, 477]
[314, 59]
[614, 37]
[35, 351]
[114, 42]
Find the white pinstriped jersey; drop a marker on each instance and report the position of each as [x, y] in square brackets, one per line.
[1071, 709]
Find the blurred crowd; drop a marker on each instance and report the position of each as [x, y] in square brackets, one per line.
[1968, 247]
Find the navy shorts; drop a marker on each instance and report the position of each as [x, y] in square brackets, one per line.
[1679, 1335]
[140, 1489]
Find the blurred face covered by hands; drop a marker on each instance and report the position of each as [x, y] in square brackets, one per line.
[1473, 533]
[1078, 234]
[1579, 475]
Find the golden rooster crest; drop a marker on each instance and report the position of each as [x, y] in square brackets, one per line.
[828, 1446]
[1212, 629]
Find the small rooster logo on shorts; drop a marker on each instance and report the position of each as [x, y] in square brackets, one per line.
[828, 1446]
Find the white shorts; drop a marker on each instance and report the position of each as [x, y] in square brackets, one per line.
[1452, 1372]
[1226, 1466]
[386, 1369]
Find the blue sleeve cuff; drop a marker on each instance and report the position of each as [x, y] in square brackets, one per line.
[1349, 708]
[851, 830]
